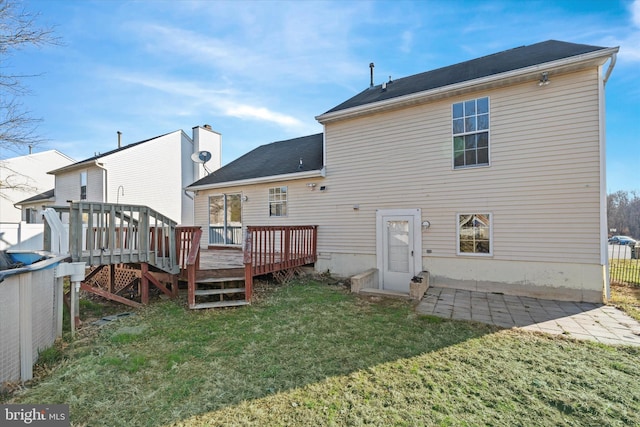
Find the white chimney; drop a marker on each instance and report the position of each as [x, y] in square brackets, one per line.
[206, 139]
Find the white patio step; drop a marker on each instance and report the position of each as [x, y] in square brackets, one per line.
[384, 293]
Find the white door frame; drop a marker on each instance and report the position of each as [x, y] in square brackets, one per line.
[417, 239]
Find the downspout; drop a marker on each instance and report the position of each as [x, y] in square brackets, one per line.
[612, 64]
[193, 205]
[604, 224]
[105, 194]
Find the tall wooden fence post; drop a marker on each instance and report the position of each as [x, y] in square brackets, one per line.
[248, 264]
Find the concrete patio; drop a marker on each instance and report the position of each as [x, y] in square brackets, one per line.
[586, 321]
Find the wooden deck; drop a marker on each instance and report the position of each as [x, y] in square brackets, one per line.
[116, 239]
[280, 250]
[220, 259]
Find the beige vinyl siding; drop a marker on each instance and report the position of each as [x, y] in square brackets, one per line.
[542, 185]
[68, 185]
[302, 205]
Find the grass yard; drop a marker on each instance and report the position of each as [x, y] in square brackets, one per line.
[625, 271]
[310, 354]
[626, 298]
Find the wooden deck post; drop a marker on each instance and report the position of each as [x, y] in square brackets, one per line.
[174, 285]
[188, 258]
[191, 284]
[112, 278]
[287, 247]
[144, 283]
[248, 265]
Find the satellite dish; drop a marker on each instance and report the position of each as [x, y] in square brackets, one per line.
[201, 157]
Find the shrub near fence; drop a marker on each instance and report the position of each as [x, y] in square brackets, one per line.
[624, 264]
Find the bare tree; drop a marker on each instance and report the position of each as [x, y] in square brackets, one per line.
[623, 211]
[18, 30]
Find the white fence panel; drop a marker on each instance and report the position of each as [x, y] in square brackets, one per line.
[21, 236]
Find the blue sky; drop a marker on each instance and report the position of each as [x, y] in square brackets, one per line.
[260, 71]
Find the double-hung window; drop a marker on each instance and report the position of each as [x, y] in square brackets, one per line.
[471, 133]
[278, 201]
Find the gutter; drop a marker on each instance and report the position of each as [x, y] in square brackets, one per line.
[415, 98]
[76, 166]
[261, 180]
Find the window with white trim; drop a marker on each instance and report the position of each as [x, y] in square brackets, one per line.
[31, 216]
[225, 219]
[475, 234]
[278, 201]
[471, 133]
[83, 185]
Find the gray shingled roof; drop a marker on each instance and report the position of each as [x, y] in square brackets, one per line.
[47, 195]
[276, 158]
[508, 60]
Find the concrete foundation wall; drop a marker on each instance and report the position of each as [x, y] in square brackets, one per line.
[548, 280]
[561, 281]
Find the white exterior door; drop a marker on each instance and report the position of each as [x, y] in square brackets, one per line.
[399, 248]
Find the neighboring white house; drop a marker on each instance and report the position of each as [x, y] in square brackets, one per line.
[153, 173]
[24, 177]
[490, 174]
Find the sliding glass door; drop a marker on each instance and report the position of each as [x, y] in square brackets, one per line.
[225, 219]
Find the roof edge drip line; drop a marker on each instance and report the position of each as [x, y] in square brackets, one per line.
[319, 173]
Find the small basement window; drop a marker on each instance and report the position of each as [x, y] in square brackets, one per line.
[475, 234]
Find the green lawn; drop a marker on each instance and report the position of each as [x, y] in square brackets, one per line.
[312, 354]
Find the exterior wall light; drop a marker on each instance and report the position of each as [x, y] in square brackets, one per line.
[544, 79]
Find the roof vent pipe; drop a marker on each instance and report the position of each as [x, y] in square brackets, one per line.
[371, 68]
[119, 139]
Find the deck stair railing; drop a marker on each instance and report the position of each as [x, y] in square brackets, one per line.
[278, 249]
[207, 288]
[109, 233]
[188, 248]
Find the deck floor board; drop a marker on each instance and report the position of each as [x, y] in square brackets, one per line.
[218, 259]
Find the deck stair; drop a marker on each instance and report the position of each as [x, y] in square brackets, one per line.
[216, 292]
[227, 280]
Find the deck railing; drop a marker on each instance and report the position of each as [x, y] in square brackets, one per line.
[188, 248]
[109, 233]
[268, 249]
